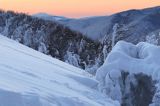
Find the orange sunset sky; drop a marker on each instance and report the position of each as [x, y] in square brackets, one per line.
[75, 8]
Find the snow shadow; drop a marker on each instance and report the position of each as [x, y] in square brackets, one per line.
[9, 98]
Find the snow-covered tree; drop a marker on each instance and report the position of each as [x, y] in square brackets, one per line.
[7, 25]
[81, 46]
[114, 34]
[27, 39]
[105, 52]
[93, 68]
[72, 59]
[42, 48]
[17, 34]
[152, 39]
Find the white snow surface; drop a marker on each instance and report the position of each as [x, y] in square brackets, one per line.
[30, 78]
[141, 58]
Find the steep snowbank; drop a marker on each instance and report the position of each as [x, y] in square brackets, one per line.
[134, 59]
[30, 78]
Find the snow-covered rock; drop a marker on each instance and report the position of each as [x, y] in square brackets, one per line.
[30, 78]
[143, 58]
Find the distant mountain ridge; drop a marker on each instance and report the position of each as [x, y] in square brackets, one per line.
[139, 23]
[134, 24]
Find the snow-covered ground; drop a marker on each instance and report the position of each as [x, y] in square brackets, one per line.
[30, 78]
[141, 58]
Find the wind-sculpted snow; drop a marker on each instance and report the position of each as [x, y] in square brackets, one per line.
[30, 78]
[142, 58]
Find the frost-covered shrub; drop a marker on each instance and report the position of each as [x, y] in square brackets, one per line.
[133, 59]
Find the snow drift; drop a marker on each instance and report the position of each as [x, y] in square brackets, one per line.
[30, 78]
[142, 58]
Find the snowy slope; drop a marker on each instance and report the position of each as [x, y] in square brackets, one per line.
[30, 78]
[143, 58]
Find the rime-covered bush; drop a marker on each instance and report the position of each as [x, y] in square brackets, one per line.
[142, 63]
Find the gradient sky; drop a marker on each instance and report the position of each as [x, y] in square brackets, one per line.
[75, 8]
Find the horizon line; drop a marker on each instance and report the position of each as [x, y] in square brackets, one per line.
[52, 14]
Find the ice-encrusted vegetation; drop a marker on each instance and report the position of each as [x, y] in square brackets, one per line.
[133, 70]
